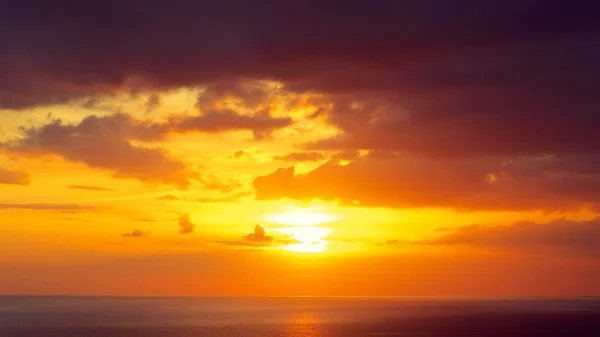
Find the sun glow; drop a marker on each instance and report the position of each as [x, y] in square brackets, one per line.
[307, 247]
[304, 229]
[307, 239]
[301, 218]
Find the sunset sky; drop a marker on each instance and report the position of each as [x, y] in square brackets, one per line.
[343, 148]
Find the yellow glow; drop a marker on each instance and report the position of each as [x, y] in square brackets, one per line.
[302, 218]
[307, 247]
[306, 234]
[309, 239]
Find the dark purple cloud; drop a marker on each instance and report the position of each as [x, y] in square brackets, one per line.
[261, 124]
[513, 80]
[54, 52]
[466, 78]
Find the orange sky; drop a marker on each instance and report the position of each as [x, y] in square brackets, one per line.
[86, 218]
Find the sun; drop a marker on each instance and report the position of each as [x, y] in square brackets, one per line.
[309, 239]
[305, 228]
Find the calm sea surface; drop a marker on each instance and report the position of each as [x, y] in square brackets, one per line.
[263, 317]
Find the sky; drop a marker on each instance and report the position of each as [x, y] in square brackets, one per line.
[284, 148]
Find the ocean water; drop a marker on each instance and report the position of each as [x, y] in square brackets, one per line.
[297, 317]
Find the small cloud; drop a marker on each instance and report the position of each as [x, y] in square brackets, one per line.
[144, 219]
[215, 183]
[63, 208]
[301, 156]
[259, 235]
[187, 227]
[260, 238]
[230, 198]
[136, 233]
[89, 188]
[10, 177]
[168, 197]
[240, 154]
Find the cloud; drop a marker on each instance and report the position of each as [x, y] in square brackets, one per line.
[90, 188]
[153, 102]
[187, 227]
[215, 121]
[169, 197]
[67, 208]
[240, 154]
[501, 81]
[301, 156]
[565, 235]
[106, 143]
[136, 233]
[388, 242]
[11, 177]
[259, 235]
[230, 198]
[390, 46]
[547, 183]
[215, 183]
[258, 238]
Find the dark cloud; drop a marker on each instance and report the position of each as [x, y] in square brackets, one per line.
[12, 177]
[65, 50]
[547, 183]
[214, 121]
[136, 233]
[106, 143]
[301, 156]
[90, 188]
[185, 224]
[565, 235]
[153, 102]
[513, 80]
[67, 208]
[259, 235]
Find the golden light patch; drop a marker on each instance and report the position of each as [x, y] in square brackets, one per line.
[308, 239]
[300, 218]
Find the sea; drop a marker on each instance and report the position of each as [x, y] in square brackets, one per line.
[25, 316]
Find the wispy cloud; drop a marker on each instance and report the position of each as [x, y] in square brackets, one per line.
[49, 207]
[136, 233]
[578, 237]
[90, 188]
